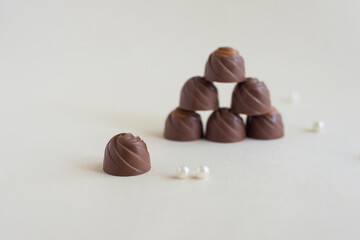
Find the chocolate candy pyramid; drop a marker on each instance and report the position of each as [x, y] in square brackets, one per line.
[250, 97]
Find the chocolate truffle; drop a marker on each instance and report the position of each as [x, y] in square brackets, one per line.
[251, 97]
[268, 126]
[182, 125]
[126, 155]
[225, 126]
[199, 94]
[225, 65]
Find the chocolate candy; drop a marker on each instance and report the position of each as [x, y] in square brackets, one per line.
[199, 94]
[182, 125]
[126, 155]
[225, 126]
[225, 65]
[268, 126]
[251, 97]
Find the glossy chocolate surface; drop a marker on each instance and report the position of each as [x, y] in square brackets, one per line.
[268, 126]
[126, 155]
[183, 125]
[251, 97]
[225, 126]
[225, 65]
[199, 94]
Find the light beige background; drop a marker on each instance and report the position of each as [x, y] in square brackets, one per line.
[75, 73]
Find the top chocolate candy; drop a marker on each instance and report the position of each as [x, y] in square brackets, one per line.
[225, 65]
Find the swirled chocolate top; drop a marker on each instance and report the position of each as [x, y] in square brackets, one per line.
[126, 155]
[251, 97]
[225, 65]
[267, 126]
[225, 126]
[183, 125]
[199, 94]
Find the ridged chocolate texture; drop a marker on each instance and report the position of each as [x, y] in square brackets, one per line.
[268, 126]
[225, 126]
[251, 97]
[225, 65]
[126, 155]
[199, 94]
[182, 125]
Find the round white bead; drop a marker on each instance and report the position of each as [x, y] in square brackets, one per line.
[182, 172]
[203, 172]
[295, 97]
[318, 126]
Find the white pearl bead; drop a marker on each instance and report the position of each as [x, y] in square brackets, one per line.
[318, 126]
[203, 172]
[182, 172]
[295, 97]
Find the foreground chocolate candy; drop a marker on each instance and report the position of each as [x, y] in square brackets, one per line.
[182, 125]
[225, 126]
[199, 94]
[251, 97]
[126, 155]
[268, 126]
[225, 65]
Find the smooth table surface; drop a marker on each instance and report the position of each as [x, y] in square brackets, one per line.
[75, 73]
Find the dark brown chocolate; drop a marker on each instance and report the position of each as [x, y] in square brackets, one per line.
[183, 125]
[225, 65]
[126, 155]
[199, 94]
[268, 126]
[251, 97]
[225, 126]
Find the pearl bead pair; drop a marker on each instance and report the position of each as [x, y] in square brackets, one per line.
[318, 126]
[202, 172]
